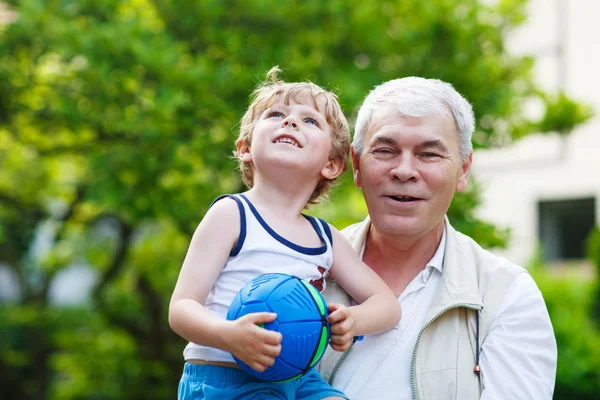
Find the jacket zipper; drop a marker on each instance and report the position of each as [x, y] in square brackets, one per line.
[414, 356]
[344, 356]
[339, 364]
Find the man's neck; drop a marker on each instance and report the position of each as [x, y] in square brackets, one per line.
[398, 260]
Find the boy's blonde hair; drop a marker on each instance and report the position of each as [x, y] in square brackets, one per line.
[274, 89]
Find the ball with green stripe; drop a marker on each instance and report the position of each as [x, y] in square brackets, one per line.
[301, 320]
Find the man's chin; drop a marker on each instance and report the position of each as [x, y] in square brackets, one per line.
[401, 225]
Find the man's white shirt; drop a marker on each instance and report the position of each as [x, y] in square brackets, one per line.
[518, 357]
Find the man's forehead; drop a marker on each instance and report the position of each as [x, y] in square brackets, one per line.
[389, 119]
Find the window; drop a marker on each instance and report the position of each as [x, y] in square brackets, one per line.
[564, 226]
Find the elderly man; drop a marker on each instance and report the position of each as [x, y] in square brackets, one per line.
[474, 326]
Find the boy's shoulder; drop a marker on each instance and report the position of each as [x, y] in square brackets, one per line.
[227, 208]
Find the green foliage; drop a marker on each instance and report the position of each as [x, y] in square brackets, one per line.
[117, 121]
[563, 114]
[569, 300]
[593, 253]
[461, 215]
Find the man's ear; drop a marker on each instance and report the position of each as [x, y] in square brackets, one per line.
[465, 168]
[356, 167]
[333, 169]
[243, 150]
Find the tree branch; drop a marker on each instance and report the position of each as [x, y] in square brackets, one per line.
[111, 272]
[154, 307]
[80, 191]
[125, 234]
[12, 386]
[120, 321]
[17, 204]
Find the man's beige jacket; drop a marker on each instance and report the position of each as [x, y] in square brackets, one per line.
[473, 281]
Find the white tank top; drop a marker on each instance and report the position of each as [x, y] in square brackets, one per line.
[260, 250]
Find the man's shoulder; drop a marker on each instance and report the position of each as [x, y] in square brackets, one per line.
[495, 276]
[352, 230]
[485, 261]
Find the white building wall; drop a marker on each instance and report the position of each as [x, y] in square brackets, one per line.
[563, 36]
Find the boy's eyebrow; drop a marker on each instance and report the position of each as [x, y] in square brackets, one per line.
[313, 112]
[306, 111]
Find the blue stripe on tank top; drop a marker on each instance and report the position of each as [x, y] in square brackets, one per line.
[304, 250]
[327, 230]
[240, 242]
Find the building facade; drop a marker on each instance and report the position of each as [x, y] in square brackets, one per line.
[546, 188]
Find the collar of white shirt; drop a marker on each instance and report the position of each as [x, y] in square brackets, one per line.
[437, 261]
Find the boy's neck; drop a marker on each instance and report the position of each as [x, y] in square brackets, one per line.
[283, 200]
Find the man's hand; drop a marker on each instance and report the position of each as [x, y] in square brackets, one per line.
[255, 346]
[342, 326]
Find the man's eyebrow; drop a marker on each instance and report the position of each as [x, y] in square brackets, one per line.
[383, 140]
[434, 144]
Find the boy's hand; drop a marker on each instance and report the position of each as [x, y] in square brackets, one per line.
[255, 346]
[342, 326]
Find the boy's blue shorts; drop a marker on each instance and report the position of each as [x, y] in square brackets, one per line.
[219, 383]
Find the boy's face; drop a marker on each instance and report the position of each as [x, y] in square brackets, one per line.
[295, 136]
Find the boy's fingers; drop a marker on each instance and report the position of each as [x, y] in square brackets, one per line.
[331, 307]
[272, 351]
[340, 348]
[337, 316]
[265, 361]
[271, 338]
[257, 366]
[261, 317]
[341, 339]
[339, 329]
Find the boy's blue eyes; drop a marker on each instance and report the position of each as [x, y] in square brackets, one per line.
[277, 114]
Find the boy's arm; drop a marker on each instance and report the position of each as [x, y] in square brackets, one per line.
[378, 309]
[208, 253]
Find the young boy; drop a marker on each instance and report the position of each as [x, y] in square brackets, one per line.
[293, 144]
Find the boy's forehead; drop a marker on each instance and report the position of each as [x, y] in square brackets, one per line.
[314, 101]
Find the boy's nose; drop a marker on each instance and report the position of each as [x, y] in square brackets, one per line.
[287, 122]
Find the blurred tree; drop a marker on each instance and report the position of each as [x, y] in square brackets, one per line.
[570, 299]
[593, 253]
[117, 122]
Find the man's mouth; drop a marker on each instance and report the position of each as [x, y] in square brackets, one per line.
[404, 199]
[287, 140]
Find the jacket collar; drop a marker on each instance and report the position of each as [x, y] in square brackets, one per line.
[459, 276]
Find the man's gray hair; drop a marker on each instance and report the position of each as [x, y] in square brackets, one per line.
[417, 97]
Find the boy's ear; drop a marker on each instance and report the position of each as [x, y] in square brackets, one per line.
[243, 151]
[333, 169]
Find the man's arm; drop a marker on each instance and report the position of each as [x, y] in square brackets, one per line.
[518, 357]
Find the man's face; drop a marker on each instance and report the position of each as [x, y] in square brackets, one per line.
[409, 170]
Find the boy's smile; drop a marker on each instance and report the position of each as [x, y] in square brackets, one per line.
[287, 139]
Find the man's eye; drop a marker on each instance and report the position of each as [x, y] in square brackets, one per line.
[383, 151]
[429, 155]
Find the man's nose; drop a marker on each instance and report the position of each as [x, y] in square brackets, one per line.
[405, 169]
